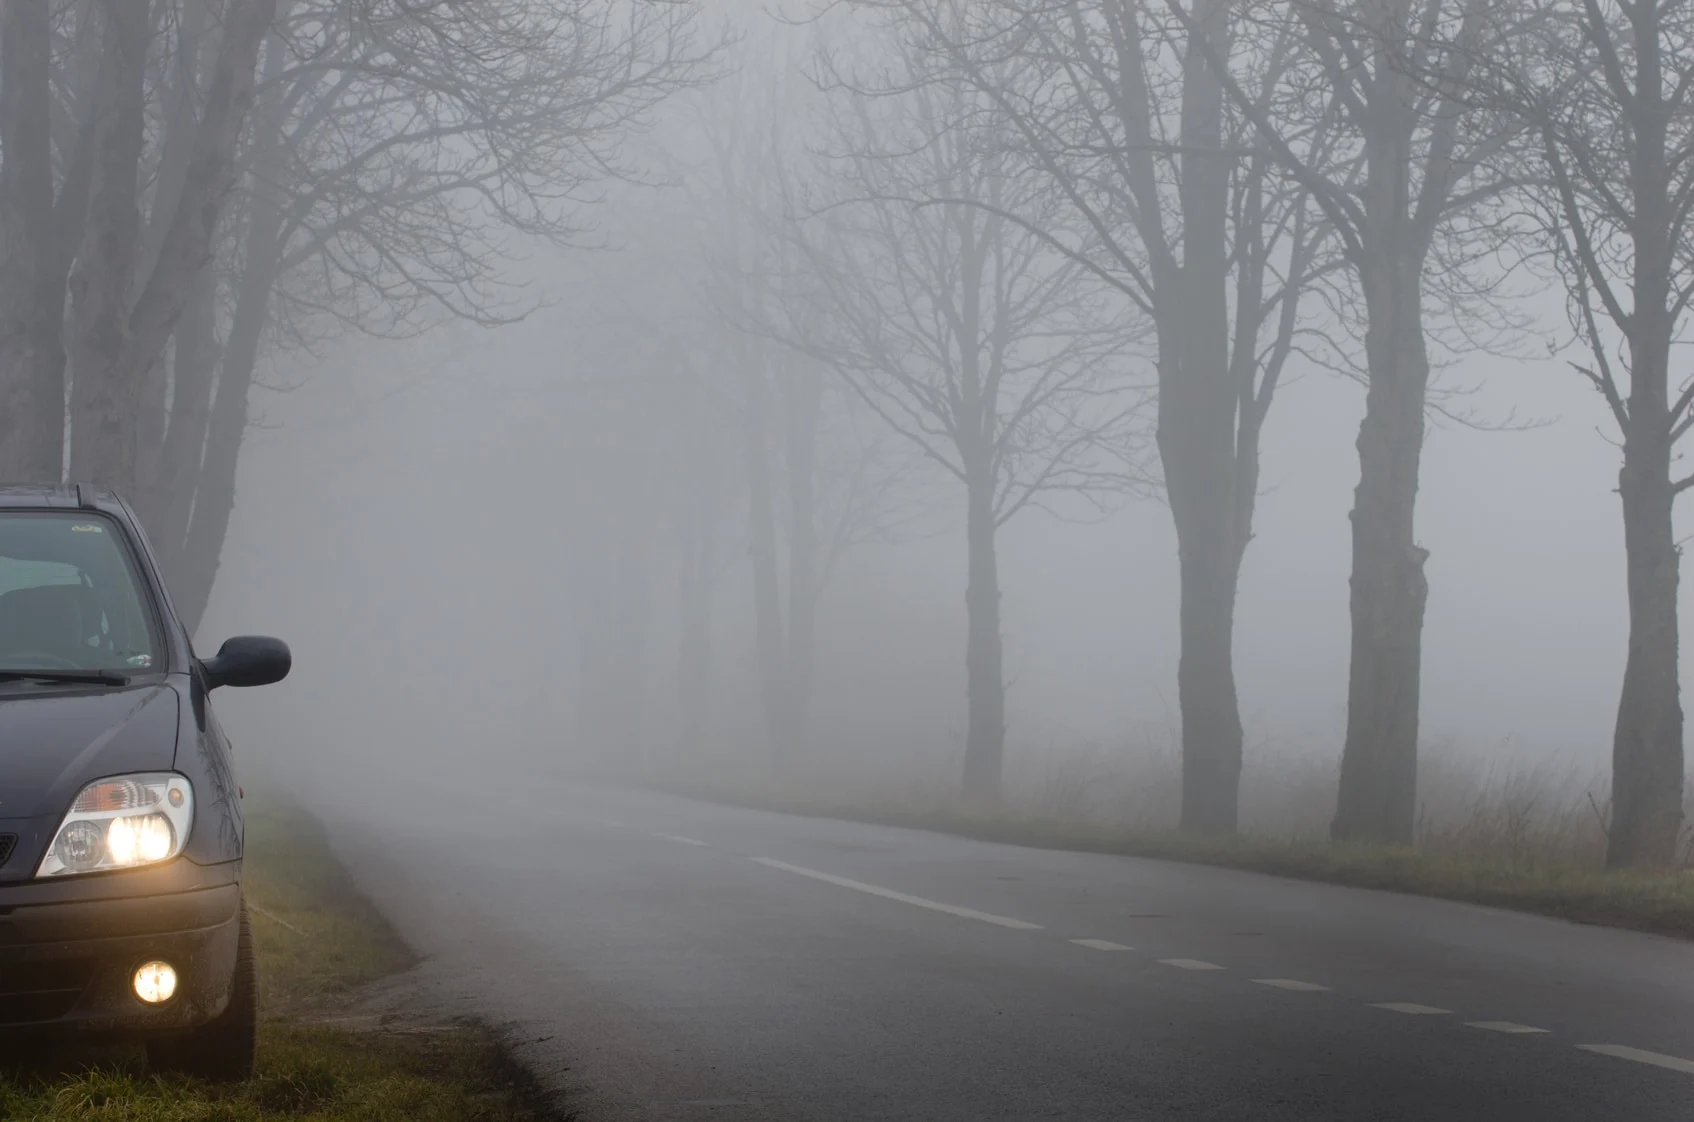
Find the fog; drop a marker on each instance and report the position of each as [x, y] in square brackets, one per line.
[401, 523]
[422, 517]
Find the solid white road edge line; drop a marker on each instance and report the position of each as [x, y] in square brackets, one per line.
[1101, 945]
[890, 894]
[1641, 1056]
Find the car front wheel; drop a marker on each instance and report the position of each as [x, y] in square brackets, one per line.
[223, 1048]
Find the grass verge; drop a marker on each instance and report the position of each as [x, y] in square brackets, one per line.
[1659, 902]
[318, 941]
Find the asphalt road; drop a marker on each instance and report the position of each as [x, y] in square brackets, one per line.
[665, 959]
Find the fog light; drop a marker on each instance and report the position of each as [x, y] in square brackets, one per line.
[155, 982]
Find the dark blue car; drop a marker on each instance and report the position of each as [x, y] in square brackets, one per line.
[120, 819]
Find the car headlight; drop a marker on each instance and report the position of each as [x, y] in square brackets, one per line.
[122, 823]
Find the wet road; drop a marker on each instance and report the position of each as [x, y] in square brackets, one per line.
[666, 959]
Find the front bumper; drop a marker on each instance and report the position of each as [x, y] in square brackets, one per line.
[68, 948]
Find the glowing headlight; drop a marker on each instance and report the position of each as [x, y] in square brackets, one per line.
[122, 823]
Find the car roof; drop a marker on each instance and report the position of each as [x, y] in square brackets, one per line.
[59, 496]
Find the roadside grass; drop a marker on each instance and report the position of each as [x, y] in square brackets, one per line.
[317, 941]
[1472, 865]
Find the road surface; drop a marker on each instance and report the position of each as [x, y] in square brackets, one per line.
[669, 960]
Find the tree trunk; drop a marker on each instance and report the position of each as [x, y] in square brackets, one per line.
[196, 361]
[214, 496]
[694, 653]
[804, 399]
[631, 600]
[1647, 743]
[182, 101]
[1209, 569]
[1197, 445]
[103, 404]
[30, 320]
[595, 625]
[186, 247]
[1377, 800]
[985, 685]
[70, 218]
[761, 526]
[1647, 751]
[214, 492]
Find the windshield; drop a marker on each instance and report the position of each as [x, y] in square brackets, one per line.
[70, 598]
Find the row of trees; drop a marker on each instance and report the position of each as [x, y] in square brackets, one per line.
[984, 217]
[975, 225]
[191, 187]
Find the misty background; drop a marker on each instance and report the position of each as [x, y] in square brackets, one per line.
[402, 522]
[726, 392]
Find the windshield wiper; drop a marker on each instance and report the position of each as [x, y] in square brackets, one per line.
[94, 677]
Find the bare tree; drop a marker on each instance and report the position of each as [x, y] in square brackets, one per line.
[1177, 209]
[965, 332]
[120, 331]
[810, 496]
[1414, 158]
[394, 147]
[1607, 90]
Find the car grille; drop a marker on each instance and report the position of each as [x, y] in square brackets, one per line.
[42, 991]
[8, 842]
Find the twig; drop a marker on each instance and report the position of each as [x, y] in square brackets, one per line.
[1605, 830]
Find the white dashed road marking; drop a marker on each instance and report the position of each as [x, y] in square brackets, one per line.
[1504, 1026]
[1640, 1056]
[1189, 964]
[1291, 984]
[1101, 945]
[1409, 1007]
[890, 894]
[680, 838]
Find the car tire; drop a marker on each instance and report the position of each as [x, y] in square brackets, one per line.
[223, 1049]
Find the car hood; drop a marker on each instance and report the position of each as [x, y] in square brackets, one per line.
[51, 744]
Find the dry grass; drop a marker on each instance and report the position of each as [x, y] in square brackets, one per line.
[1499, 829]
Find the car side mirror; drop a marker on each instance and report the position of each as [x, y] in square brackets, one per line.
[248, 660]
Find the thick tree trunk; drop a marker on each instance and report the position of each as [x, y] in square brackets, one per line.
[70, 215]
[1199, 400]
[186, 247]
[985, 685]
[1211, 719]
[1377, 800]
[214, 490]
[214, 496]
[182, 101]
[804, 399]
[104, 404]
[761, 525]
[195, 364]
[30, 319]
[1647, 752]
[694, 651]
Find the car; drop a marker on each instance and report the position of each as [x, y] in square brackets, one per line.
[121, 908]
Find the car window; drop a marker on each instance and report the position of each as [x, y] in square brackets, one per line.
[70, 598]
